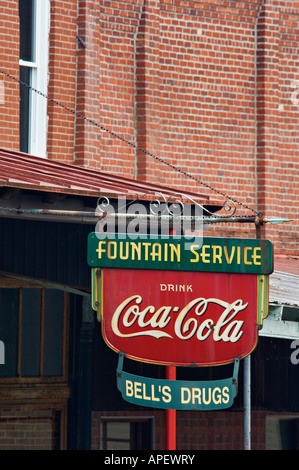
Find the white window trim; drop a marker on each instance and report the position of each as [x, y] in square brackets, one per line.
[38, 119]
[26, 63]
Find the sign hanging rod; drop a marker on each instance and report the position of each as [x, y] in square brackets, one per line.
[204, 219]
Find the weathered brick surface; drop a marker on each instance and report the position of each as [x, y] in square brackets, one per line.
[9, 62]
[62, 79]
[209, 87]
[213, 95]
[208, 430]
[22, 429]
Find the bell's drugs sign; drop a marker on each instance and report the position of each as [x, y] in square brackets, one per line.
[194, 318]
[177, 394]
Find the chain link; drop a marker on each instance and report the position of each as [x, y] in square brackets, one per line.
[131, 144]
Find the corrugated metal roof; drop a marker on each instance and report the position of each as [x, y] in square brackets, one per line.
[287, 264]
[284, 281]
[20, 170]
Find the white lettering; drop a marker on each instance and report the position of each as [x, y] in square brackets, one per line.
[166, 394]
[190, 325]
[176, 287]
[204, 396]
[185, 395]
[115, 460]
[136, 313]
[295, 354]
[224, 328]
[168, 459]
[2, 353]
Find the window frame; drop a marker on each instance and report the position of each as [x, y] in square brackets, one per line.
[37, 112]
[41, 379]
[273, 436]
[105, 439]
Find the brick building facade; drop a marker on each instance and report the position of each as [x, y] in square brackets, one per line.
[211, 87]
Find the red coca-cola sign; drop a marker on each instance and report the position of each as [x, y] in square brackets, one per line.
[196, 318]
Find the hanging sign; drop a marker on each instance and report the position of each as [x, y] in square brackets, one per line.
[177, 394]
[183, 302]
[204, 254]
[194, 318]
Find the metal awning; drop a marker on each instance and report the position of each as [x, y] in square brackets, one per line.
[41, 189]
[23, 171]
[22, 175]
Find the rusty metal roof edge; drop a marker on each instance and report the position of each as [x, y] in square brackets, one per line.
[120, 185]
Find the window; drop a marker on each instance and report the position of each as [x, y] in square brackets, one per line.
[127, 433]
[282, 432]
[34, 44]
[33, 328]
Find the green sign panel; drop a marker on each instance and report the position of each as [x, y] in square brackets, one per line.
[205, 254]
[176, 394]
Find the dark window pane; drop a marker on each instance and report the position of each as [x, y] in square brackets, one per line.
[26, 30]
[141, 435]
[30, 346]
[53, 332]
[289, 434]
[9, 310]
[25, 73]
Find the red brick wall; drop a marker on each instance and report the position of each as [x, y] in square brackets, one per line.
[88, 137]
[9, 62]
[278, 120]
[195, 91]
[210, 88]
[118, 24]
[62, 79]
[213, 95]
[209, 430]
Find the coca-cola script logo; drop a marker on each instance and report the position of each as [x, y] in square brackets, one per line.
[129, 313]
[205, 318]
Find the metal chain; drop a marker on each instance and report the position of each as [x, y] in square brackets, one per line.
[131, 144]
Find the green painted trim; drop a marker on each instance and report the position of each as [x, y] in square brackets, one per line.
[207, 254]
[263, 298]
